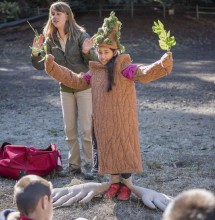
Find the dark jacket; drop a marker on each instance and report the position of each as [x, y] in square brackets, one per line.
[73, 58]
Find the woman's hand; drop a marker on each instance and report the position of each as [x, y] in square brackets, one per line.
[87, 45]
[37, 44]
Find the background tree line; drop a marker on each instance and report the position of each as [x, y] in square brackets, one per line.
[12, 9]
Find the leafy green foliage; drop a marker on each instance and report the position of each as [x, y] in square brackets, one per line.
[38, 50]
[165, 40]
[34, 30]
[108, 41]
[103, 33]
[9, 10]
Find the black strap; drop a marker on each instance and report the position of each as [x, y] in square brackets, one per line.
[5, 144]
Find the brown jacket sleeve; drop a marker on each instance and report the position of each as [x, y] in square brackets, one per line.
[64, 75]
[146, 74]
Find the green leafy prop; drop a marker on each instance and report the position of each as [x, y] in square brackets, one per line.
[165, 40]
[35, 49]
[107, 27]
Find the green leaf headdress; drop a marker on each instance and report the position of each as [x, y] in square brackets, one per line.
[109, 34]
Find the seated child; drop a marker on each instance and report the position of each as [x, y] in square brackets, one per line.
[194, 204]
[32, 195]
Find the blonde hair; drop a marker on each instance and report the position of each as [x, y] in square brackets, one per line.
[71, 27]
[193, 204]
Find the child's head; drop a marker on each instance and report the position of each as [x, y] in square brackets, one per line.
[107, 43]
[32, 195]
[195, 204]
[107, 39]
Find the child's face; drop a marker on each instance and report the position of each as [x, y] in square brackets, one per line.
[105, 54]
[47, 208]
[50, 210]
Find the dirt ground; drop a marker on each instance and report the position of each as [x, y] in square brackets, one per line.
[176, 113]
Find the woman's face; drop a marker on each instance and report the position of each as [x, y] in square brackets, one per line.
[104, 54]
[58, 19]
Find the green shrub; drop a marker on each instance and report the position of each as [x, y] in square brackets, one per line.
[9, 11]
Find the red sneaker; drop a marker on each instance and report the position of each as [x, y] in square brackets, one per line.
[124, 193]
[112, 191]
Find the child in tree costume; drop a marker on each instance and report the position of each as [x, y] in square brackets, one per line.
[115, 120]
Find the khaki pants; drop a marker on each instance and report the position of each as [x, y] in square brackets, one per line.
[76, 108]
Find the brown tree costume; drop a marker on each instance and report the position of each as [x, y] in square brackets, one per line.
[115, 119]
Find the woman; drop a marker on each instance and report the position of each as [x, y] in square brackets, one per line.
[72, 48]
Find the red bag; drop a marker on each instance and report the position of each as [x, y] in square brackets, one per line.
[17, 161]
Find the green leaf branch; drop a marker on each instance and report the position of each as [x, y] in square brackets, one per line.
[165, 40]
[40, 52]
[34, 30]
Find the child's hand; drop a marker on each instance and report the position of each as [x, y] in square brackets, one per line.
[38, 44]
[167, 62]
[87, 45]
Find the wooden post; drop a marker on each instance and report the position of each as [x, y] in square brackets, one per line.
[171, 12]
[164, 10]
[100, 9]
[197, 12]
[38, 11]
[132, 8]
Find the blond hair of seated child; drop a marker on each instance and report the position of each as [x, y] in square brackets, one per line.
[194, 204]
[32, 195]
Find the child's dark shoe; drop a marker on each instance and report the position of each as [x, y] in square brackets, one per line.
[112, 191]
[124, 193]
